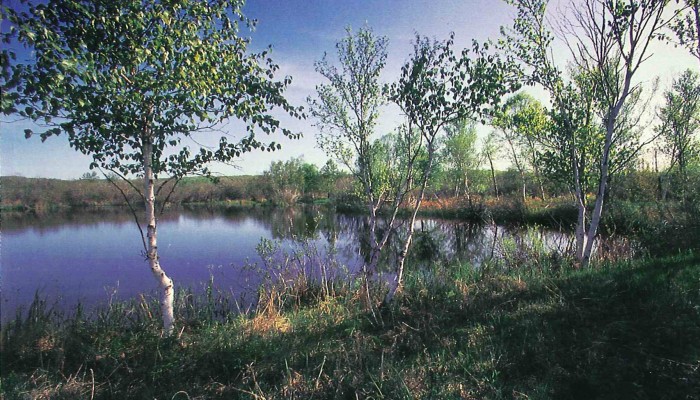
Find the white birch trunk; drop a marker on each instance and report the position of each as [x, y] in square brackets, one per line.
[520, 167]
[602, 184]
[375, 246]
[466, 188]
[401, 261]
[597, 208]
[613, 113]
[593, 228]
[696, 12]
[165, 283]
[580, 228]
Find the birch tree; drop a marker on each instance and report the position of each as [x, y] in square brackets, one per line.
[680, 125]
[346, 109]
[521, 124]
[607, 40]
[686, 27]
[438, 87]
[460, 155]
[138, 85]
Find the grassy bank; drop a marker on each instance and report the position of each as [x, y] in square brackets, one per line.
[629, 330]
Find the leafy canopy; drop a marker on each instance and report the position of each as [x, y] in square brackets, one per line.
[347, 107]
[438, 86]
[680, 120]
[113, 74]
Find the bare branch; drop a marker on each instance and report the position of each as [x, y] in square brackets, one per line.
[128, 203]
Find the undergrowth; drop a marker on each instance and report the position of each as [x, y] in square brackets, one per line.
[620, 330]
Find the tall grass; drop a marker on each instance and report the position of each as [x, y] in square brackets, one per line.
[628, 329]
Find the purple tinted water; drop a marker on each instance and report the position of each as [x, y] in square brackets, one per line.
[90, 258]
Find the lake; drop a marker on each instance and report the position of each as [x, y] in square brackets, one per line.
[96, 256]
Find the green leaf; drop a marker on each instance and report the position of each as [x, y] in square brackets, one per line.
[115, 72]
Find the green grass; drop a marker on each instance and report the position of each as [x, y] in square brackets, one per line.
[625, 330]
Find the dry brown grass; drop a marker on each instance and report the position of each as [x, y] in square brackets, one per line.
[265, 324]
[80, 385]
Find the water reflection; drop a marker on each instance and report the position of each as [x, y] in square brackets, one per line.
[92, 255]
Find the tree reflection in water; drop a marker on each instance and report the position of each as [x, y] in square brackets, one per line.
[201, 242]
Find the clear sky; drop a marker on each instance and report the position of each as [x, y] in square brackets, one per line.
[300, 31]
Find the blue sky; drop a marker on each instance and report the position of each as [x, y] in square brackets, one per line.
[300, 31]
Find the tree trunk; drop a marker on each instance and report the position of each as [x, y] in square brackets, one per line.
[664, 183]
[580, 226]
[541, 184]
[166, 284]
[520, 167]
[596, 214]
[580, 197]
[534, 161]
[493, 175]
[466, 188]
[682, 175]
[696, 12]
[401, 261]
[604, 174]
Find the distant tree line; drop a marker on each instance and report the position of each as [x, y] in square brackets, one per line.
[642, 185]
[284, 183]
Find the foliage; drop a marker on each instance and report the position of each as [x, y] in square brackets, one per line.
[522, 125]
[459, 155]
[312, 178]
[680, 125]
[90, 175]
[397, 161]
[347, 109]
[348, 106]
[607, 41]
[438, 87]
[329, 176]
[686, 27]
[286, 180]
[106, 72]
[490, 151]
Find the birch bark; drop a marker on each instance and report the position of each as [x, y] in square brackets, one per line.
[581, 212]
[401, 261]
[164, 281]
[604, 173]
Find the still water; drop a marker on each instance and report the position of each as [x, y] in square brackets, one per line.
[96, 256]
